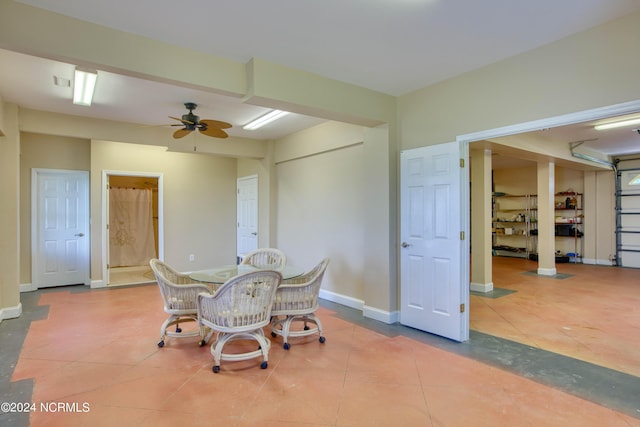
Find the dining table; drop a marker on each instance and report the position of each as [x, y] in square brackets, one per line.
[219, 275]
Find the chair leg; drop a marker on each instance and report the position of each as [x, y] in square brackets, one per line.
[176, 320]
[283, 327]
[318, 323]
[224, 338]
[163, 330]
[205, 333]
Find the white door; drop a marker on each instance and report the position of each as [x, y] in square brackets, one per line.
[433, 295]
[60, 227]
[247, 233]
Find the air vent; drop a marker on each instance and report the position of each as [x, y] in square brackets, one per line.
[61, 81]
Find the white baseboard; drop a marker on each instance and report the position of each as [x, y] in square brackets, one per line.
[342, 299]
[387, 317]
[27, 287]
[481, 287]
[547, 272]
[598, 262]
[10, 312]
[95, 284]
[369, 312]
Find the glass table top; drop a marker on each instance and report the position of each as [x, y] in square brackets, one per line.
[223, 273]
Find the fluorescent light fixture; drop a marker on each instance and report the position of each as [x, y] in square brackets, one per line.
[620, 124]
[263, 120]
[84, 84]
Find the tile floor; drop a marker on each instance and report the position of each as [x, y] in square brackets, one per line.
[130, 275]
[591, 313]
[98, 348]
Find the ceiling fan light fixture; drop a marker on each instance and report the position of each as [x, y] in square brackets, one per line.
[620, 124]
[84, 85]
[190, 122]
[263, 120]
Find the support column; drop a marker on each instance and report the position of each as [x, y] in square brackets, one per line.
[481, 268]
[10, 305]
[546, 219]
[380, 286]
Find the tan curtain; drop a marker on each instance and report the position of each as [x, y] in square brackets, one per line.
[131, 238]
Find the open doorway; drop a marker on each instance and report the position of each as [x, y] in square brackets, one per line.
[578, 311]
[133, 231]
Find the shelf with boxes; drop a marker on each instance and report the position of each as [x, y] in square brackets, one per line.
[568, 221]
[512, 224]
[569, 230]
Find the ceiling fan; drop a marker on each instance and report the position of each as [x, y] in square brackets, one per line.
[191, 122]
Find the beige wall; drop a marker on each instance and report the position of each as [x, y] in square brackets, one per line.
[604, 221]
[199, 193]
[321, 203]
[589, 70]
[2, 117]
[335, 198]
[46, 152]
[9, 215]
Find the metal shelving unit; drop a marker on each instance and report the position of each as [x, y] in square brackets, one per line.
[570, 203]
[511, 225]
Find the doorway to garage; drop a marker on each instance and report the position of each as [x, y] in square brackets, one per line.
[580, 312]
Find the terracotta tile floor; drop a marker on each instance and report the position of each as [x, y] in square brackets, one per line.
[99, 348]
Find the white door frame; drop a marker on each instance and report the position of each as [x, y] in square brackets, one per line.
[105, 218]
[550, 122]
[563, 120]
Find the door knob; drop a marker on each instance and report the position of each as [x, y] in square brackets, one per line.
[79, 235]
[405, 245]
[254, 234]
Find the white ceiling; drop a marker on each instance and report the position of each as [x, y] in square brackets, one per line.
[391, 46]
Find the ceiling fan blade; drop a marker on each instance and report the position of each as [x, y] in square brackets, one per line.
[216, 124]
[183, 121]
[181, 132]
[216, 133]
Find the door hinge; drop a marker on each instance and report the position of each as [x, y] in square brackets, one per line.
[461, 308]
[462, 235]
[461, 163]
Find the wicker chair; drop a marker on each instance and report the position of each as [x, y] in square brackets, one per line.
[239, 310]
[266, 259]
[179, 294]
[297, 300]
